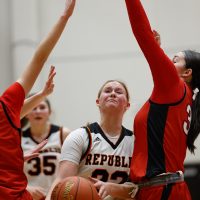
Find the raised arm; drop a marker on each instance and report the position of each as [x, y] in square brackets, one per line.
[167, 84]
[44, 49]
[34, 100]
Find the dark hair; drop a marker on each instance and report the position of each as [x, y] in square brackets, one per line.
[121, 83]
[24, 120]
[192, 59]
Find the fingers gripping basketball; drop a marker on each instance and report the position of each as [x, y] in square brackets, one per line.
[74, 188]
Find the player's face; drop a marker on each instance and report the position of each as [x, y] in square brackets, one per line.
[113, 96]
[184, 73]
[179, 62]
[40, 114]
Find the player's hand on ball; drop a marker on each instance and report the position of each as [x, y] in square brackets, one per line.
[103, 187]
[124, 191]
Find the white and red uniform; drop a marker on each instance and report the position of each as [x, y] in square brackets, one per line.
[41, 171]
[106, 160]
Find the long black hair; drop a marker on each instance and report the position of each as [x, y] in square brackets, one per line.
[192, 59]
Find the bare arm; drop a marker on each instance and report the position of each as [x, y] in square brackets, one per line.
[66, 168]
[34, 100]
[71, 153]
[35, 152]
[44, 49]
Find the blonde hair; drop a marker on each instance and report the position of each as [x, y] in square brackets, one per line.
[121, 83]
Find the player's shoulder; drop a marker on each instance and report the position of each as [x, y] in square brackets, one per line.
[93, 128]
[26, 133]
[127, 132]
[55, 131]
[77, 133]
[54, 128]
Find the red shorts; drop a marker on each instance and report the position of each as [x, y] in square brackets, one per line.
[170, 192]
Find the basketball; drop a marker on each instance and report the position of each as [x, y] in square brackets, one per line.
[75, 188]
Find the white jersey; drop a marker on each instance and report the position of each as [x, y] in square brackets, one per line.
[105, 160]
[41, 171]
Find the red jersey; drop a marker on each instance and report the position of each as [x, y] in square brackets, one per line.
[162, 124]
[13, 181]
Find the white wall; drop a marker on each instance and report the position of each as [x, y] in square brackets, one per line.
[5, 46]
[98, 45]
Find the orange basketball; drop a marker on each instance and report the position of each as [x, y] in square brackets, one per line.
[75, 188]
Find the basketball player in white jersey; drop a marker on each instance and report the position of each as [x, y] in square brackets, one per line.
[41, 171]
[102, 150]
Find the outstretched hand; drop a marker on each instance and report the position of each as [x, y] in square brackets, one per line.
[35, 152]
[69, 8]
[49, 86]
[157, 37]
[34, 100]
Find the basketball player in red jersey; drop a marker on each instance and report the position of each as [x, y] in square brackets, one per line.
[12, 179]
[169, 121]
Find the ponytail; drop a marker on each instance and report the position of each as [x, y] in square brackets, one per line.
[195, 124]
[192, 59]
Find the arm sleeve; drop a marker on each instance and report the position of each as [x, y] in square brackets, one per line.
[74, 146]
[167, 84]
[13, 98]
